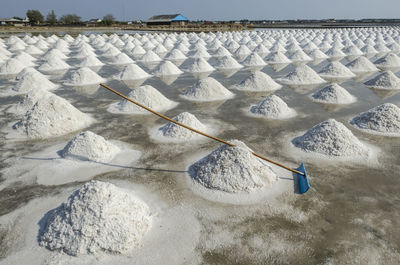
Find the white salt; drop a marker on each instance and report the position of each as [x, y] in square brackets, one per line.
[302, 75]
[11, 67]
[166, 68]
[277, 58]
[385, 80]
[98, 217]
[388, 62]
[83, 76]
[333, 94]
[273, 107]
[175, 54]
[361, 65]
[232, 170]
[150, 56]
[53, 64]
[258, 81]
[207, 89]
[33, 81]
[199, 65]
[54, 53]
[299, 56]
[90, 61]
[132, 72]
[174, 131]
[121, 58]
[28, 101]
[253, 60]
[336, 70]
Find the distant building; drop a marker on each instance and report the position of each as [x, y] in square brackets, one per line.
[172, 20]
[14, 22]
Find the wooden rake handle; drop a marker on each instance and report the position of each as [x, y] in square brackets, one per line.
[197, 131]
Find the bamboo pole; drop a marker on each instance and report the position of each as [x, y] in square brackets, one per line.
[197, 131]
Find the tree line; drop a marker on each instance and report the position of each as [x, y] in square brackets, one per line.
[36, 18]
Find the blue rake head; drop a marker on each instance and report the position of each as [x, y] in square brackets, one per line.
[303, 180]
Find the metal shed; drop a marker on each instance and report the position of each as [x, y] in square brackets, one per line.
[175, 19]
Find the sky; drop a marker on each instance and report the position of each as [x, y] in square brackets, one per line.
[127, 10]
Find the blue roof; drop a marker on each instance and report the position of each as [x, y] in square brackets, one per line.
[180, 18]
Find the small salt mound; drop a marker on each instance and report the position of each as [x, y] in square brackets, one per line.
[336, 70]
[330, 138]
[253, 60]
[111, 52]
[138, 50]
[277, 57]
[26, 59]
[91, 147]
[221, 51]
[50, 117]
[369, 50]
[200, 65]
[207, 89]
[167, 68]
[175, 54]
[273, 107]
[388, 62]
[333, 94]
[90, 61]
[11, 67]
[317, 55]
[150, 56]
[54, 53]
[174, 131]
[85, 53]
[258, 81]
[98, 217]
[32, 50]
[53, 64]
[361, 65]
[232, 169]
[145, 95]
[33, 81]
[299, 56]
[385, 80]
[200, 54]
[132, 72]
[121, 58]
[302, 75]
[383, 119]
[335, 54]
[83, 76]
[228, 62]
[243, 50]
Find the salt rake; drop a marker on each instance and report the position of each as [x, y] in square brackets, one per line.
[300, 171]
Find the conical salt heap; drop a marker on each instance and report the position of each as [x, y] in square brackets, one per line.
[88, 146]
[302, 75]
[29, 100]
[200, 65]
[336, 71]
[33, 81]
[385, 80]
[361, 65]
[299, 56]
[98, 217]
[54, 53]
[277, 58]
[53, 64]
[333, 94]
[150, 56]
[258, 81]
[383, 119]
[273, 107]
[83, 76]
[145, 95]
[166, 68]
[175, 54]
[132, 72]
[50, 117]
[227, 63]
[174, 131]
[233, 170]
[90, 61]
[121, 58]
[207, 89]
[11, 67]
[331, 138]
[253, 60]
[388, 62]
[317, 55]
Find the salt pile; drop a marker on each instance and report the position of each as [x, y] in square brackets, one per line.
[50, 117]
[385, 80]
[388, 62]
[232, 169]
[302, 75]
[145, 95]
[335, 54]
[32, 50]
[174, 131]
[11, 67]
[258, 81]
[383, 119]
[29, 100]
[333, 94]
[132, 72]
[26, 59]
[317, 55]
[89, 146]
[273, 107]
[90, 61]
[336, 70]
[150, 56]
[83, 76]
[330, 138]
[299, 57]
[121, 58]
[200, 65]
[227, 63]
[277, 58]
[253, 60]
[54, 53]
[175, 54]
[53, 64]
[98, 217]
[361, 65]
[207, 89]
[166, 68]
[33, 81]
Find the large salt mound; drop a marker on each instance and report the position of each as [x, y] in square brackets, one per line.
[273, 107]
[29, 100]
[258, 81]
[132, 72]
[150, 56]
[207, 89]
[232, 169]
[336, 70]
[228, 62]
[277, 58]
[50, 117]
[388, 62]
[200, 65]
[89, 146]
[98, 217]
[330, 138]
[175, 54]
[174, 131]
[333, 94]
[385, 80]
[33, 81]
[383, 119]
[11, 67]
[90, 61]
[83, 76]
[121, 58]
[166, 68]
[302, 75]
[53, 64]
[145, 95]
[361, 65]
[253, 60]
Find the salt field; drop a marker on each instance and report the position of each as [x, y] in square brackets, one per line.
[87, 177]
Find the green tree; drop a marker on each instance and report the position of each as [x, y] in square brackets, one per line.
[51, 18]
[70, 19]
[35, 17]
[108, 20]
